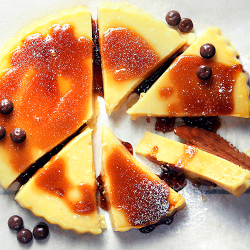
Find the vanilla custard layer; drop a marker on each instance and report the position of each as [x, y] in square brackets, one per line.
[64, 191]
[52, 97]
[195, 162]
[161, 39]
[122, 218]
[164, 98]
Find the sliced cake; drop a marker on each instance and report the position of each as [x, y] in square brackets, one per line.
[199, 83]
[136, 197]
[132, 44]
[64, 191]
[46, 73]
[196, 164]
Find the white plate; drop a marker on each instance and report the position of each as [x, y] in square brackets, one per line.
[210, 220]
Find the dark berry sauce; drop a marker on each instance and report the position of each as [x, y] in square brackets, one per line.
[97, 67]
[128, 146]
[210, 123]
[173, 176]
[102, 201]
[165, 124]
[146, 84]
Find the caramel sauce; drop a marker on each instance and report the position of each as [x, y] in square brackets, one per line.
[142, 199]
[97, 66]
[152, 155]
[189, 153]
[206, 97]
[166, 92]
[54, 181]
[126, 54]
[48, 81]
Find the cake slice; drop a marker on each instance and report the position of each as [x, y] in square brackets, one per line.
[64, 191]
[196, 164]
[46, 72]
[180, 92]
[136, 197]
[132, 44]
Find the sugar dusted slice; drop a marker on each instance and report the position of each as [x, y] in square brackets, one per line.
[64, 191]
[132, 44]
[195, 162]
[179, 92]
[136, 197]
[46, 71]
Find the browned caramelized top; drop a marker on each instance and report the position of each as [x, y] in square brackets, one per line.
[49, 82]
[126, 54]
[204, 97]
[54, 181]
[141, 198]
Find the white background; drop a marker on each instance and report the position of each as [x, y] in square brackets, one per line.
[210, 220]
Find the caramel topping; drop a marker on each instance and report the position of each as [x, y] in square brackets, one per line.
[204, 97]
[49, 81]
[152, 155]
[142, 199]
[126, 54]
[166, 92]
[189, 153]
[80, 198]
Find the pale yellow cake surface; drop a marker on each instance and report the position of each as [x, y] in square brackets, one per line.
[77, 157]
[203, 165]
[79, 19]
[153, 104]
[118, 218]
[162, 39]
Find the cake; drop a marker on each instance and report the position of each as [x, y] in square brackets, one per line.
[46, 73]
[132, 45]
[136, 197]
[180, 92]
[196, 164]
[64, 191]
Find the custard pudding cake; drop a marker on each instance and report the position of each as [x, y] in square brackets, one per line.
[196, 164]
[136, 197]
[132, 44]
[64, 191]
[46, 75]
[206, 80]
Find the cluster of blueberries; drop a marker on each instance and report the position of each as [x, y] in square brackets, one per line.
[24, 235]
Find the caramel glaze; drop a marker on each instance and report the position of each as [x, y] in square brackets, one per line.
[142, 199]
[54, 181]
[126, 54]
[205, 97]
[31, 83]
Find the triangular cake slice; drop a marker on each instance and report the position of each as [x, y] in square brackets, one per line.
[136, 197]
[46, 71]
[179, 92]
[64, 191]
[132, 44]
[196, 164]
